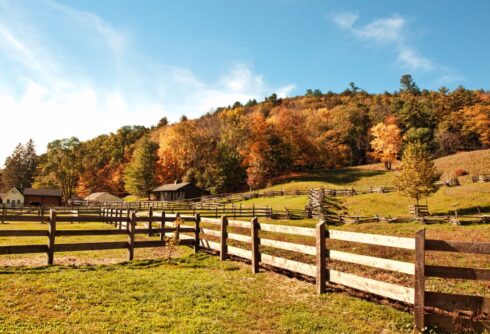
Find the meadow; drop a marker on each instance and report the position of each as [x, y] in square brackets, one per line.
[187, 294]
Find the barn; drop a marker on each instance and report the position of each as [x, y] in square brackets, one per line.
[177, 192]
[42, 197]
[102, 197]
[12, 198]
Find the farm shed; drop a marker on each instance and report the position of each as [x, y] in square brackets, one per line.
[177, 192]
[12, 198]
[44, 197]
[102, 197]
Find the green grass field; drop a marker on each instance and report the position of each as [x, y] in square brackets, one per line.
[465, 199]
[190, 294]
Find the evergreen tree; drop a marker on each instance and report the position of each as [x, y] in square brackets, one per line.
[408, 84]
[418, 174]
[29, 164]
[140, 174]
[20, 167]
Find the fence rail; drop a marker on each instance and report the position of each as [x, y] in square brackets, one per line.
[256, 243]
[129, 222]
[421, 299]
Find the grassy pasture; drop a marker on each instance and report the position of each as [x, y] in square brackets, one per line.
[466, 199]
[188, 294]
[94, 292]
[374, 175]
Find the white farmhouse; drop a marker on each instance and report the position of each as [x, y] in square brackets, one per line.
[12, 198]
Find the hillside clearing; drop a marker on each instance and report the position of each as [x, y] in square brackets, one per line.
[374, 175]
[465, 199]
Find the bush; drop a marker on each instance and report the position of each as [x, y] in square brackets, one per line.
[460, 172]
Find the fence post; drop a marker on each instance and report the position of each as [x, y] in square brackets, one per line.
[177, 226]
[224, 236]
[150, 224]
[162, 228]
[419, 298]
[254, 230]
[120, 218]
[132, 228]
[197, 230]
[321, 258]
[51, 236]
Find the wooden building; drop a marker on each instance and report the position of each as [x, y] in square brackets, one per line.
[177, 192]
[42, 197]
[12, 198]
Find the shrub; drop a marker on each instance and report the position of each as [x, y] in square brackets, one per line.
[460, 172]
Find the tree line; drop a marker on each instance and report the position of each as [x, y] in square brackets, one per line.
[248, 145]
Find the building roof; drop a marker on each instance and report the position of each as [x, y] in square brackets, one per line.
[103, 197]
[43, 192]
[171, 187]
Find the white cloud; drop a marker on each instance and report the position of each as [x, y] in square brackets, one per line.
[387, 30]
[414, 60]
[390, 31]
[48, 91]
[345, 19]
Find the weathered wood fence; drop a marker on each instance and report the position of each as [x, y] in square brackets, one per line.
[130, 220]
[255, 242]
[261, 237]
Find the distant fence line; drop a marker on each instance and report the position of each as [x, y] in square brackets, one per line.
[231, 198]
[237, 211]
[252, 241]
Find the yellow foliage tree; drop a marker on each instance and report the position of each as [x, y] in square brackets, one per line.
[477, 120]
[386, 143]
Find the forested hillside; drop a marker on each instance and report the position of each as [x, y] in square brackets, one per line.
[248, 145]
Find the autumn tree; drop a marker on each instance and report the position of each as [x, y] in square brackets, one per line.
[60, 166]
[140, 174]
[386, 143]
[418, 174]
[477, 121]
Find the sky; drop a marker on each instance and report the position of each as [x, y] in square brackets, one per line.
[84, 68]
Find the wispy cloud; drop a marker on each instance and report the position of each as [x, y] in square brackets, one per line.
[390, 31]
[92, 79]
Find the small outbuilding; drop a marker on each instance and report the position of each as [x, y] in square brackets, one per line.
[102, 197]
[42, 197]
[177, 192]
[12, 198]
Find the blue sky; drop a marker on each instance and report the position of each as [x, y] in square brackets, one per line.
[87, 67]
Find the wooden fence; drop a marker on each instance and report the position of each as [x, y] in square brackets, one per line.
[255, 242]
[417, 296]
[239, 211]
[130, 222]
